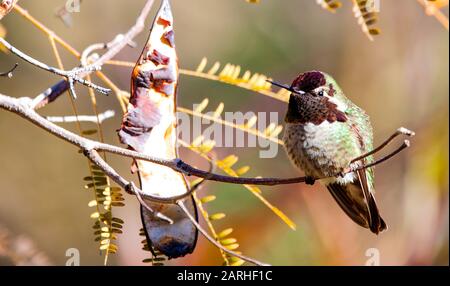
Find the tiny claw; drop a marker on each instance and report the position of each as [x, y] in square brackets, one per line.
[310, 180]
[86, 152]
[130, 188]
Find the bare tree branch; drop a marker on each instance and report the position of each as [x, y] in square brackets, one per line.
[120, 41]
[71, 75]
[23, 107]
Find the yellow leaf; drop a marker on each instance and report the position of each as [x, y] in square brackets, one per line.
[245, 78]
[3, 34]
[242, 170]
[225, 71]
[232, 246]
[276, 131]
[105, 241]
[202, 65]
[224, 233]
[105, 234]
[228, 161]
[92, 203]
[236, 72]
[269, 129]
[251, 122]
[107, 191]
[214, 68]
[207, 146]
[219, 110]
[228, 241]
[113, 247]
[207, 199]
[2, 31]
[217, 216]
[200, 107]
[196, 182]
[95, 215]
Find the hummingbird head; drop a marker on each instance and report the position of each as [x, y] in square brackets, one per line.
[315, 98]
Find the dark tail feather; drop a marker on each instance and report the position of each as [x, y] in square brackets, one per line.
[173, 240]
[351, 198]
[376, 223]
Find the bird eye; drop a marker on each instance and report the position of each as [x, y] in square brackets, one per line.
[320, 93]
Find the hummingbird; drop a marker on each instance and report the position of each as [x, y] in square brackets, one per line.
[324, 133]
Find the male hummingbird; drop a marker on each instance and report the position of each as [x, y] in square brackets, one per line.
[324, 132]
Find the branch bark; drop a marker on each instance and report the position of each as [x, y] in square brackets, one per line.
[24, 107]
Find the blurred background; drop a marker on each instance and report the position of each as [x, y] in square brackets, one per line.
[400, 79]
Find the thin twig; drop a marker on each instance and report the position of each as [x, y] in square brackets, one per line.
[24, 13]
[9, 73]
[159, 215]
[83, 118]
[400, 131]
[432, 10]
[62, 86]
[214, 242]
[71, 75]
[405, 145]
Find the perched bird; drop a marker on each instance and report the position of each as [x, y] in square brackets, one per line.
[324, 132]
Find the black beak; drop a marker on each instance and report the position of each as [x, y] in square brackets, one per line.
[286, 87]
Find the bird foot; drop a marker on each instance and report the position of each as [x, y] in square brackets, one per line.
[130, 188]
[309, 180]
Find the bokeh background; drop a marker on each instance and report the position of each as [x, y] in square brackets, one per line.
[400, 79]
